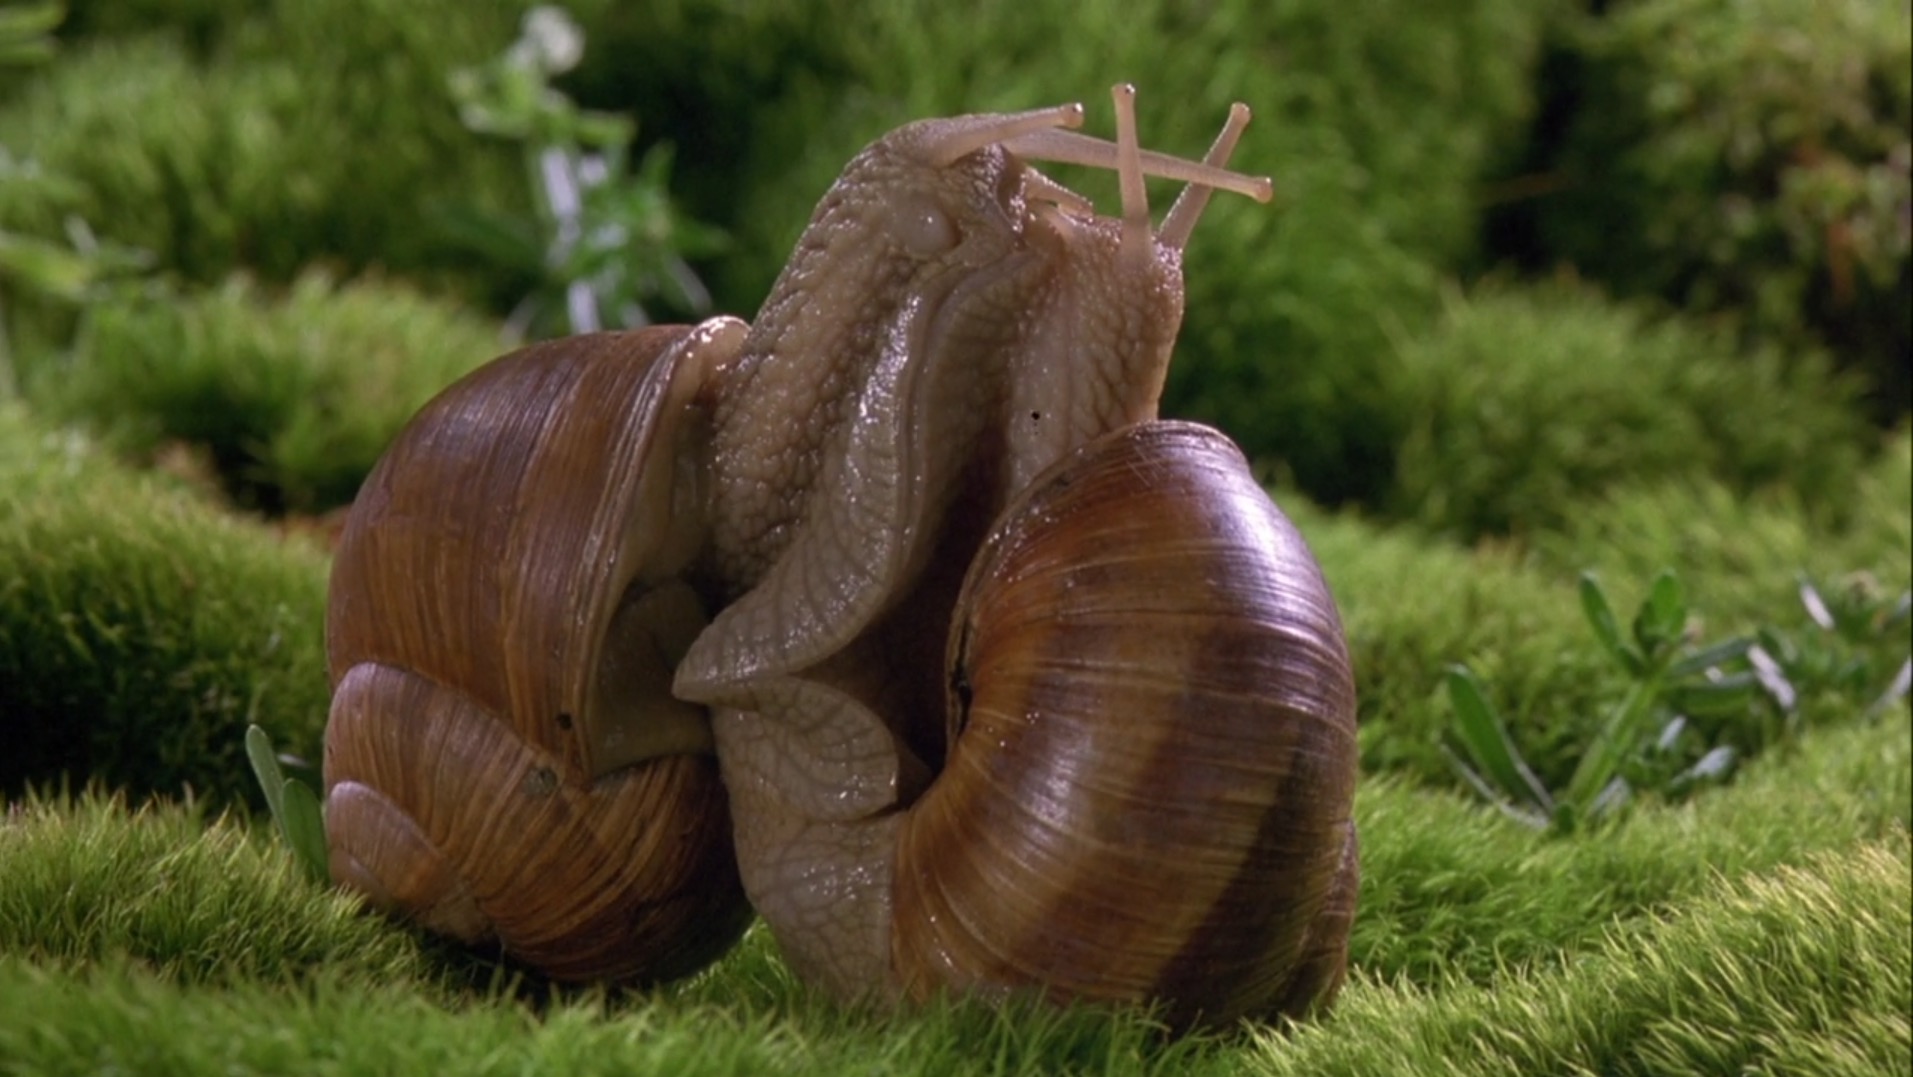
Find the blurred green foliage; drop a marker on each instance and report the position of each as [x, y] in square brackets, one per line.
[293, 395]
[1752, 157]
[26, 32]
[605, 245]
[1524, 403]
[304, 140]
[1381, 125]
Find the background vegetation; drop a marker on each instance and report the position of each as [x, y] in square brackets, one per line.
[1549, 289]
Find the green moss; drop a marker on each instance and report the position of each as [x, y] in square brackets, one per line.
[203, 24]
[86, 880]
[1453, 890]
[1528, 403]
[1749, 157]
[1742, 556]
[264, 156]
[150, 150]
[1775, 908]
[1412, 607]
[295, 396]
[141, 629]
[1803, 970]
[377, 147]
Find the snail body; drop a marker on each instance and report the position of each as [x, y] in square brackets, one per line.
[958, 354]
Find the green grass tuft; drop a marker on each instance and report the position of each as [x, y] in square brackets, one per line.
[141, 628]
[85, 880]
[1453, 890]
[1803, 966]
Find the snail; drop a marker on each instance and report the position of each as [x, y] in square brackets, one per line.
[803, 544]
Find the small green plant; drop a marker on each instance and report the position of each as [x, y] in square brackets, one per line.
[1692, 712]
[607, 238]
[1646, 738]
[294, 806]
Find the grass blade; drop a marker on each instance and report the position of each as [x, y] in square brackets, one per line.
[1486, 740]
[294, 806]
[1611, 749]
[304, 827]
[265, 767]
[1707, 658]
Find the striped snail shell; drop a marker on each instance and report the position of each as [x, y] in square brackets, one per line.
[1152, 721]
[504, 763]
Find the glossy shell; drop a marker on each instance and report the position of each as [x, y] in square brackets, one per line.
[503, 760]
[1148, 794]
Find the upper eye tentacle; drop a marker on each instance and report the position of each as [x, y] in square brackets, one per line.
[944, 141]
[1182, 218]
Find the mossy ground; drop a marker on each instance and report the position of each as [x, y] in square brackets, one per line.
[1765, 929]
[1482, 441]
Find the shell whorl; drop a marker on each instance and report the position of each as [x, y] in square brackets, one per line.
[1148, 793]
[503, 759]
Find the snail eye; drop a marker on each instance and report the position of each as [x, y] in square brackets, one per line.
[924, 229]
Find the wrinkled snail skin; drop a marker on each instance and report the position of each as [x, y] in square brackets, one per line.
[826, 693]
[503, 760]
[950, 323]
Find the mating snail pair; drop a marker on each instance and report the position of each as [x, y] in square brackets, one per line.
[895, 616]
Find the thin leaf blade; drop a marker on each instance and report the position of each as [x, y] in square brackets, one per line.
[265, 768]
[1485, 738]
[1607, 628]
[304, 827]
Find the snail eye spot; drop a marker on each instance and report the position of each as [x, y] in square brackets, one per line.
[925, 230]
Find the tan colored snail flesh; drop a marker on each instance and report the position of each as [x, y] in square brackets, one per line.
[1011, 687]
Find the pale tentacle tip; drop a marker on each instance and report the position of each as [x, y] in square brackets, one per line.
[1239, 117]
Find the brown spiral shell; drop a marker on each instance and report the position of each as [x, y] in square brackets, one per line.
[503, 760]
[1148, 792]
